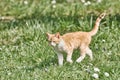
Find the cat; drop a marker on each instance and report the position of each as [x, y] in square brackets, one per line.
[74, 40]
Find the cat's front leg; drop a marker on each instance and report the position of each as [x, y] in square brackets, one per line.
[60, 58]
[69, 57]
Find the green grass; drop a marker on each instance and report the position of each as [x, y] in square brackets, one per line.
[24, 50]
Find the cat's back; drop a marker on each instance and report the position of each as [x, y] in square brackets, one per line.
[77, 38]
[76, 34]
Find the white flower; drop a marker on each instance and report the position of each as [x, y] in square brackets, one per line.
[96, 69]
[98, 1]
[103, 40]
[0, 49]
[9, 73]
[109, 53]
[83, 1]
[2, 18]
[54, 6]
[87, 3]
[106, 74]
[26, 2]
[95, 75]
[53, 1]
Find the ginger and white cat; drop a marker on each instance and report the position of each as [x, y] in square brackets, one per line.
[74, 40]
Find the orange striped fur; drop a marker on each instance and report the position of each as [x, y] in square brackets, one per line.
[74, 40]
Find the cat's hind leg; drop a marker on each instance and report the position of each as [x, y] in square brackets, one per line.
[83, 53]
[89, 52]
[80, 58]
[69, 57]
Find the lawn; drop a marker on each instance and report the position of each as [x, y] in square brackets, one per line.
[26, 55]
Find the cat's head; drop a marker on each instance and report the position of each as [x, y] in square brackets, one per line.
[53, 39]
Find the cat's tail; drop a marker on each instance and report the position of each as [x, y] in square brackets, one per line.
[96, 26]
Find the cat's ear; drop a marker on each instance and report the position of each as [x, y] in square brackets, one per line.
[57, 35]
[48, 34]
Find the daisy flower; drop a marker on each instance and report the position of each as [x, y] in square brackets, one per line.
[53, 1]
[25, 2]
[95, 75]
[106, 74]
[96, 69]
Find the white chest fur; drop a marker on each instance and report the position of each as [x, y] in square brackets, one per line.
[61, 46]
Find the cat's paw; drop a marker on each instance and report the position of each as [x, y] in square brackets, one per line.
[78, 60]
[60, 63]
[70, 61]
